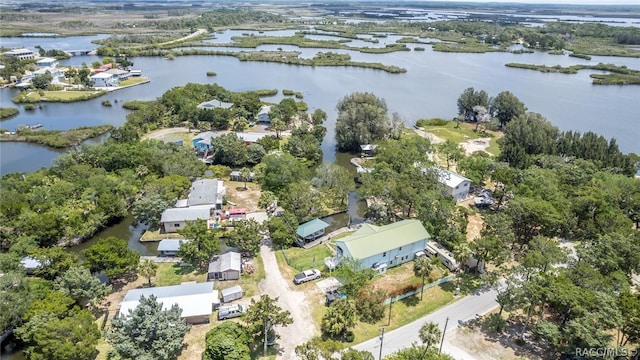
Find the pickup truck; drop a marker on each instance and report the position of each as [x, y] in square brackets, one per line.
[306, 275]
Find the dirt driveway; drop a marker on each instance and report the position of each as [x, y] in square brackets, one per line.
[289, 299]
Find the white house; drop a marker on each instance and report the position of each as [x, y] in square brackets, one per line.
[457, 185]
[382, 247]
[104, 79]
[175, 219]
[197, 300]
[119, 74]
[213, 104]
[48, 62]
[57, 75]
[206, 192]
[250, 137]
[21, 54]
[227, 266]
[263, 115]
[169, 247]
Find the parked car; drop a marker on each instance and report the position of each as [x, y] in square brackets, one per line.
[230, 311]
[306, 275]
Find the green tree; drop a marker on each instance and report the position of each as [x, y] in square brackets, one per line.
[470, 98]
[335, 181]
[319, 349]
[430, 334]
[506, 107]
[417, 352]
[282, 230]
[452, 152]
[55, 261]
[78, 284]
[149, 208]
[370, 304]
[41, 81]
[245, 175]
[246, 235]
[17, 292]
[262, 315]
[280, 170]
[148, 331]
[287, 109]
[148, 269]
[525, 137]
[255, 153]
[227, 341]
[318, 117]
[229, 150]
[353, 276]
[302, 200]
[422, 267]
[266, 199]
[202, 245]
[113, 256]
[476, 167]
[462, 252]
[629, 305]
[305, 146]
[278, 126]
[352, 354]
[362, 119]
[340, 317]
[269, 143]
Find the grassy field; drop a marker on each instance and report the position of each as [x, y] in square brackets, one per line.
[155, 235]
[57, 138]
[134, 81]
[303, 259]
[57, 96]
[464, 133]
[174, 274]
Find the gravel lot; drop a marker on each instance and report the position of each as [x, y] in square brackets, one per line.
[289, 299]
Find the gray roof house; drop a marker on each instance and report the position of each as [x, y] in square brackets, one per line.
[197, 300]
[213, 104]
[457, 185]
[227, 266]
[206, 192]
[263, 115]
[169, 247]
[176, 219]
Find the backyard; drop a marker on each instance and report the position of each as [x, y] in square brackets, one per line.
[463, 134]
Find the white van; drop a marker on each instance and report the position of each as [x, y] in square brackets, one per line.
[230, 311]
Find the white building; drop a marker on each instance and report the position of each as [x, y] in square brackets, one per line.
[104, 79]
[21, 54]
[263, 115]
[48, 62]
[457, 185]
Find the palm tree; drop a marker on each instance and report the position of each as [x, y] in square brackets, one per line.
[340, 316]
[462, 252]
[148, 269]
[429, 334]
[245, 175]
[422, 266]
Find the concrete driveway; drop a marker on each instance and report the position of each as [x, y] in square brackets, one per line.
[294, 301]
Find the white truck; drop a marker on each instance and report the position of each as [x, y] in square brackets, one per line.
[306, 275]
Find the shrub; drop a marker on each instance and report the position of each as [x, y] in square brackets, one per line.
[417, 48]
[106, 103]
[29, 107]
[431, 122]
[349, 336]
[287, 92]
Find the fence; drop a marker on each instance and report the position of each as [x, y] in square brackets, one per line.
[425, 287]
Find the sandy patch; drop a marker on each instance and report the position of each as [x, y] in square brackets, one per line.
[474, 227]
[433, 138]
[483, 347]
[159, 134]
[241, 197]
[474, 145]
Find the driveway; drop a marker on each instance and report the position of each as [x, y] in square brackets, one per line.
[289, 299]
[462, 310]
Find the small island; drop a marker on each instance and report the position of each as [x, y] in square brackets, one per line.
[6, 113]
[56, 138]
[618, 75]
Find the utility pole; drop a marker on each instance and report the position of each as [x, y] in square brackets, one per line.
[381, 340]
[390, 303]
[443, 332]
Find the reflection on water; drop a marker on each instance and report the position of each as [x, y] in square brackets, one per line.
[125, 229]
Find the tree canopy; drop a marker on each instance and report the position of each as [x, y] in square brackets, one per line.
[362, 119]
[202, 243]
[113, 256]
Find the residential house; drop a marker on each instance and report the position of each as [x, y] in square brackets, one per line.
[251, 137]
[169, 247]
[119, 74]
[48, 62]
[22, 54]
[310, 231]
[457, 186]
[103, 68]
[382, 247]
[213, 104]
[206, 192]
[104, 79]
[175, 219]
[197, 300]
[227, 266]
[202, 141]
[263, 115]
[366, 150]
[57, 75]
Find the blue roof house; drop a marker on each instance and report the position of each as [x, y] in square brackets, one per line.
[311, 230]
[202, 141]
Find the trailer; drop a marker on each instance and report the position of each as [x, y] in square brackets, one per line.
[232, 293]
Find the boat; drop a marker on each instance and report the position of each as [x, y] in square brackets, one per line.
[34, 126]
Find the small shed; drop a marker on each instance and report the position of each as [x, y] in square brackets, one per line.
[311, 230]
[30, 264]
[169, 247]
[227, 266]
[232, 293]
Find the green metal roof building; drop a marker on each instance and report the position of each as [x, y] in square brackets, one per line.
[311, 230]
[385, 246]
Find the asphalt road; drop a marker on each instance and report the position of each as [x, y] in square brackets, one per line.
[460, 311]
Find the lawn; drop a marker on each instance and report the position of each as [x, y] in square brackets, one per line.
[463, 134]
[303, 259]
[174, 274]
[133, 81]
[155, 235]
[57, 96]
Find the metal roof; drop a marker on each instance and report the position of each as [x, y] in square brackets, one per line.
[212, 104]
[251, 137]
[195, 299]
[206, 137]
[203, 192]
[311, 227]
[186, 214]
[371, 240]
[170, 244]
[231, 290]
[265, 109]
[227, 261]
[450, 179]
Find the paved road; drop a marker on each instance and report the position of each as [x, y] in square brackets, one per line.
[462, 310]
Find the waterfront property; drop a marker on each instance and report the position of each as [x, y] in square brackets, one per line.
[30, 264]
[457, 185]
[104, 79]
[22, 54]
[366, 150]
[310, 231]
[213, 104]
[169, 247]
[197, 300]
[227, 266]
[206, 192]
[382, 247]
[175, 219]
[202, 141]
[119, 74]
[48, 62]
[263, 115]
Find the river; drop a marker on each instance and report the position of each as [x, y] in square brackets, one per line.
[429, 88]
